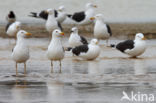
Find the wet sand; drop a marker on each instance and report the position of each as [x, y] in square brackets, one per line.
[119, 30]
[80, 81]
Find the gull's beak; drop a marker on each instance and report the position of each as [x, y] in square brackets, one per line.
[95, 6]
[97, 43]
[17, 27]
[28, 34]
[92, 18]
[46, 12]
[143, 38]
[62, 33]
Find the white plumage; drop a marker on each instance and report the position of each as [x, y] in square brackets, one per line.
[83, 17]
[101, 30]
[51, 23]
[20, 52]
[61, 14]
[88, 52]
[133, 48]
[75, 39]
[55, 50]
[13, 29]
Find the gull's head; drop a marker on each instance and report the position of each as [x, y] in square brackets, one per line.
[90, 5]
[23, 34]
[11, 14]
[50, 11]
[139, 36]
[61, 8]
[94, 42]
[74, 30]
[97, 17]
[57, 33]
[18, 25]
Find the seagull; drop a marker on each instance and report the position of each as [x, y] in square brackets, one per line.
[52, 23]
[87, 51]
[75, 39]
[101, 30]
[13, 28]
[11, 17]
[20, 53]
[59, 14]
[55, 50]
[133, 48]
[83, 17]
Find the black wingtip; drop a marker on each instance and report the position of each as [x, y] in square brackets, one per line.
[33, 14]
[68, 48]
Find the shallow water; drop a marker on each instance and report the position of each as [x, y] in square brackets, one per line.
[102, 80]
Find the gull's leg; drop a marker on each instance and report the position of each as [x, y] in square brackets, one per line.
[107, 42]
[60, 66]
[25, 69]
[51, 66]
[15, 40]
[16, 70]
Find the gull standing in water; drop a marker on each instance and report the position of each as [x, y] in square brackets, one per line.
[101, 30]
[75, 39]
[55, 50]
[13, 28]
[20, 53]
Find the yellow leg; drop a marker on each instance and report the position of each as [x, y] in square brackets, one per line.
[16, 70]
[25, 69]
[51, 66]
[60, 66]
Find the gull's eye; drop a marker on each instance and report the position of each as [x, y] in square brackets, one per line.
[56, 31]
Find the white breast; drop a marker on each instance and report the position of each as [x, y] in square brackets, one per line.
[20, 54]
[100, 30]
[51, 24]
[139, 48]
[92, 53]
[12, 31]
[55, 50]
[74, 40]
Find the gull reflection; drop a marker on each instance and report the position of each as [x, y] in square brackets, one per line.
[55, 90]
[139, 67]
[18, 91]
[93, 67]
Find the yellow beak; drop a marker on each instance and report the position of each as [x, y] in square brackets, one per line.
[95, 6]
[97, 42]
[28, 34]
[17, 27]
[143, 38]
[62, 33]
[92, 18]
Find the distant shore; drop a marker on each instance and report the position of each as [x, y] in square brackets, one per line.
[120, 30]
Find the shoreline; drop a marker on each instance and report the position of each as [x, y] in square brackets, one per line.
[119, 30]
